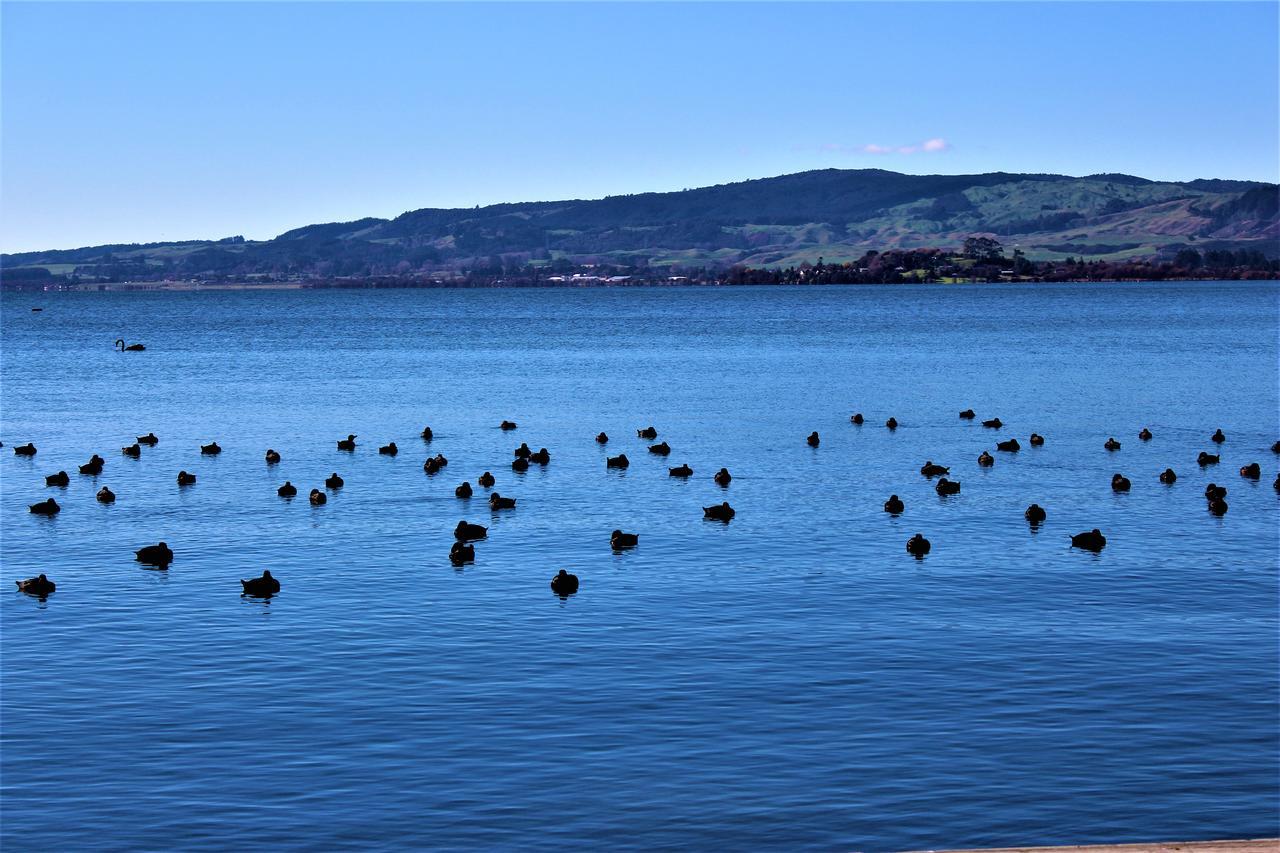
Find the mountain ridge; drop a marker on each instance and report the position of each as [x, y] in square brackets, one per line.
[839, 213]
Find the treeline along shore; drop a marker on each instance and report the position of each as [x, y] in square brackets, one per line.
[980, 259]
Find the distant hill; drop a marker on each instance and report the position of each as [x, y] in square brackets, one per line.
[835, 213]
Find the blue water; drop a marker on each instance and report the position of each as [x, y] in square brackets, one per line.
[793, 680]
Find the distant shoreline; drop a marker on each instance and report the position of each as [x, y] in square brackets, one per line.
[198, 287]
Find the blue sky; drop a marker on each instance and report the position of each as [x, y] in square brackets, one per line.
[144, 122]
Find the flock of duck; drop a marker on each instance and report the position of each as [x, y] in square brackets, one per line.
[564, 583]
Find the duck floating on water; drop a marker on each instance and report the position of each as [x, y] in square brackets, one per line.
[947, 487]
[1010, 446]
[261, 587]
[931, 470]
[389, 449]
[333, 481]
[431, 466]
[273, 458]
[461, 553]
[1217, 437]
[497, 501]
[105, 496]
[39, 586]
[661, 449]
[159, 554]
[1167, 476]
[1111, 444]
[441, 460]
[1120, 483]
[1214, 492]
[1145, 435]
[918, 546]
[967, 415]
[507, 426]
[288, 490]
[856, 419]
[465, 532]
[27, 449]
[619, 540]
[47, 507]
[486, 480]
[564, 584]
[1035, 514]
[133, 450]
[149, 439]
[59, 479]
[211, 449]
[723, 477]
[891, 424]
[813, 439]
[540, 457]
[619, 461]
[94, 466]
[185, 479]
[1218, 506]
[1090, 540]
[994, 423]
[986, 460]
[317, 498]
[648, 432]
[894, 506]
[1207, 459]
[520, 464]
[463, 491]
[1252, 471]
[719, 512]
[602, 438]
[1036, 440]
[523, 451]
[348, 443]
[427, 434]
[680, 471]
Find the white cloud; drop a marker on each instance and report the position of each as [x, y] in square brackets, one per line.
[929, 146]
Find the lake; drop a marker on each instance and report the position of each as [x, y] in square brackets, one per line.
[790, 680]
